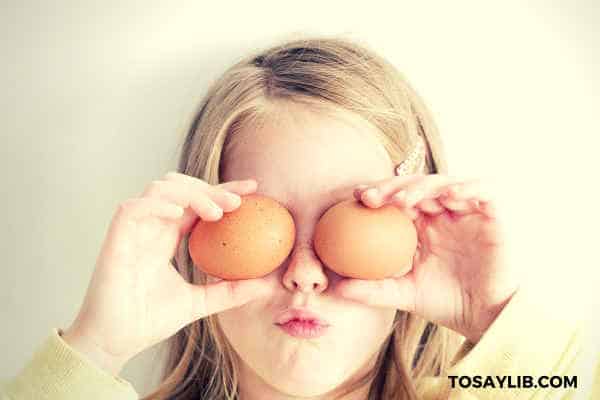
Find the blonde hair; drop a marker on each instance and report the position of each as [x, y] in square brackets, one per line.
[329, 71]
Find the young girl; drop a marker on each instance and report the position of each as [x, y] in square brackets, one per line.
[310, 123]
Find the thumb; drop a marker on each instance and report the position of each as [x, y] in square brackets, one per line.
[396, 293]
[220, 296]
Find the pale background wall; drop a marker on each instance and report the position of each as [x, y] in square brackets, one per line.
[95, 97]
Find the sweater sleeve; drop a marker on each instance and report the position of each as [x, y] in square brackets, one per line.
[540, 332]
[58, 371]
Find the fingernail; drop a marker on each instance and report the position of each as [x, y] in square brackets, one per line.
[236, 199]
[216, 211]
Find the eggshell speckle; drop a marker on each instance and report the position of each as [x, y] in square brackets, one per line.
[357, 241]
[248, 242]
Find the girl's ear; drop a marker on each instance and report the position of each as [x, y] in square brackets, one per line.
[414, 162]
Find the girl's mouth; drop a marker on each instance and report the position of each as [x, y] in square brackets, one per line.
[305, 329]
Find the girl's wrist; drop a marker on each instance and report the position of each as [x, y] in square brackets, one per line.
[485, 320]
[93, 352]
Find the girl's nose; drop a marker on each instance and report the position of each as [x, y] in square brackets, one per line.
[305, 272]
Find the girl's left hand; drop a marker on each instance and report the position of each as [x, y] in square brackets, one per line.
[460, 278]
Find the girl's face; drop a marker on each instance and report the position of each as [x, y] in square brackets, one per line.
[308, 161]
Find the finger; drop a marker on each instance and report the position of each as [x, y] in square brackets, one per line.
[412, 189]
[377, 193]
[432, 186]
[458, 206]
[208, 201]
[396, 293]
[390, 186]
[226, 194]
[411, 212]
[470, 189]
[246, 186]
[138, 208]
[479, 195]
[430, 206]
[201, 199]
[216, 297]
[220, 194]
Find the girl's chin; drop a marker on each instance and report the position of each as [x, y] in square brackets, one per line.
[301, 362]
[304, 382]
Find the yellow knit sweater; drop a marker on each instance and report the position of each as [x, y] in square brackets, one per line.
[538, 333]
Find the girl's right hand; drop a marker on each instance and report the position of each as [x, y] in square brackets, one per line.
[136, 298]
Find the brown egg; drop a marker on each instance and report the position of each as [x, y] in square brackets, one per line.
[248, 242]
[367, 243]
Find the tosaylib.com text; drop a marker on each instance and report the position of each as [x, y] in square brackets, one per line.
[512, 382]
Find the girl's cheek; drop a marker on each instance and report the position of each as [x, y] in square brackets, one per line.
[332, 279]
